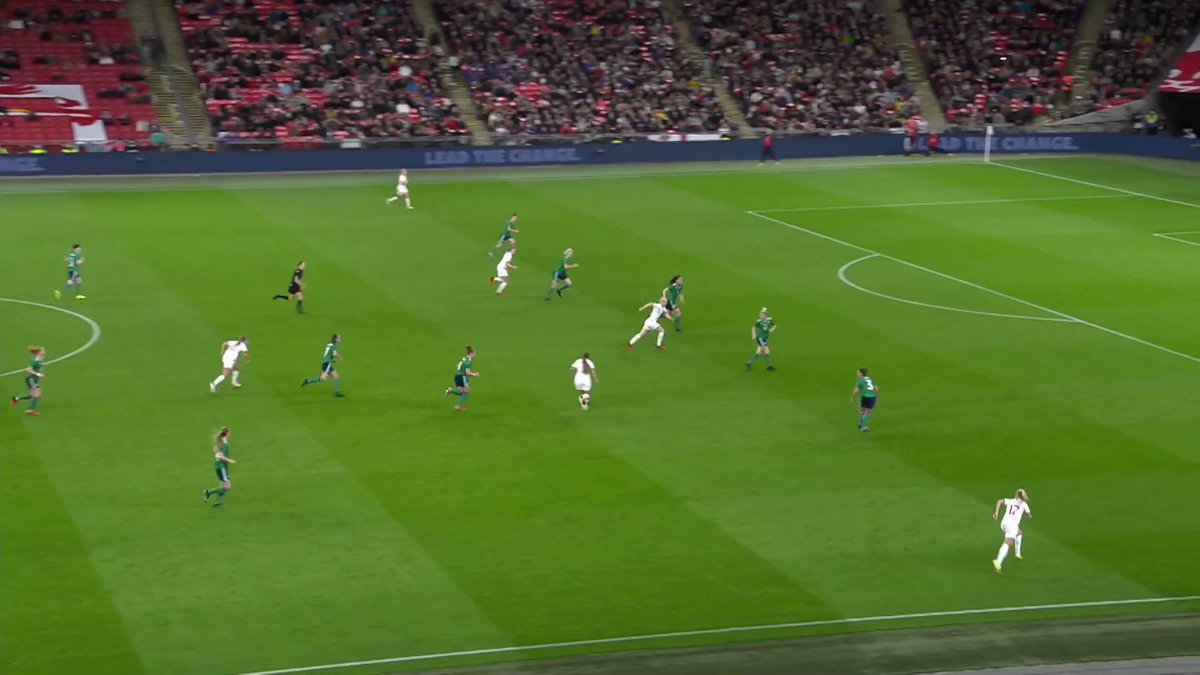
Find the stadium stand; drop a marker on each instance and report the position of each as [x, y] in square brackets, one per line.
[808, 65]
[311, 70]
[994, 61]
[571, 66]
[1140, 39]
[70, 71]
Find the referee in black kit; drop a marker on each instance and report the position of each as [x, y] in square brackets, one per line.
[768, 149]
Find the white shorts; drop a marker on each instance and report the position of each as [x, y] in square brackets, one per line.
[401, 192]
[649, 325]
[501, 272]
[583, 384]
[229, 364]
[1011, 530]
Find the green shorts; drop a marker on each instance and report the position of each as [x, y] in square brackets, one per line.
[33, 382]
[223, 474]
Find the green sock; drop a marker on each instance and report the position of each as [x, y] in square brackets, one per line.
[768, 358]
[79, 289]
[33, 402]
[313, 380]
[337, 385]
[552, 289]
[299, 306]
[678, 321]
[753, 358]
[564, 289]
[24, 398]
[462, 403]
[67, 288]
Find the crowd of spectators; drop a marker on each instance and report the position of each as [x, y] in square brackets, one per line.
[804, 65]
[1140, 40]
[579, 67]
[317, 70]
[997, 61]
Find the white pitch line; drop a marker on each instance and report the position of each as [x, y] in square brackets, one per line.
[985, 289]
[1171, 236]
[1110, 188]
[842, 275]
[726, 631]
[95, 337]
[965, 202]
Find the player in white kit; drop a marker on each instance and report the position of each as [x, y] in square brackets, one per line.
[402, 190]
[502, 269]
[1014, 509]
[584, 372]
[231, 351]
[657, 310]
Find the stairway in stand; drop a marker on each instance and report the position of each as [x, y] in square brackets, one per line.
[687, 42]
[166, 103]
[914, 66]
[1084, 50]
[460, 92]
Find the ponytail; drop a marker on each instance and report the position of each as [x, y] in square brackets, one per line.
[221, 436]
[587, 364]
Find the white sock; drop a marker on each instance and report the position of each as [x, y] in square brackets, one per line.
[236, 374]
[661, 335]
[1018, 543]
[635, 338]
[503, 285]
[1003, 552]
[408, 202]
[392, 199]
[219, 380]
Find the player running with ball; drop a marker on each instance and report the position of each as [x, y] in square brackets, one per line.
[561, 281]
[502, 269]
[1010, 524]
[401, 190]
[231, 351]
[651, 324]
[585, 375]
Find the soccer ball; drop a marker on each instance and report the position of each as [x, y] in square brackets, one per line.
[585, 400]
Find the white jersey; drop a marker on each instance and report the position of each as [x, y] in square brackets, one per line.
[656, 312]
[583, 380]
[502, 267]
[1014, 509]
[230, 351]
[402, 185]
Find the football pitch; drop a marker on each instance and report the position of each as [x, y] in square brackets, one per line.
[1031, 323]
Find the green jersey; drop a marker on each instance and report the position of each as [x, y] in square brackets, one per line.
[866, 387]
[74, 260]
[331, 352]
[36, 364]
[763, 327]
[219, 463]
[673, 293]
[562, 266]
[464, 366]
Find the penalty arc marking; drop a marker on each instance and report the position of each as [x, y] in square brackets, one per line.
[841, 273]
[92, 340]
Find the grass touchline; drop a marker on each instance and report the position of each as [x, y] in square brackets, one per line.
[730, 629]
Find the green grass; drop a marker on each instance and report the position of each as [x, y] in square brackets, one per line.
[694, 495]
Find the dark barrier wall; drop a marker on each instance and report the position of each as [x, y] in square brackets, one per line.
[107, 164]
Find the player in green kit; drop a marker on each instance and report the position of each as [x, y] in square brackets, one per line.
[673, 298]
[74, 262]
[510, 229]
[866, 391]
[761, 334]
[33, 381]
[329, 360]
[221, 462]
[561, 281]
[462, 380]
